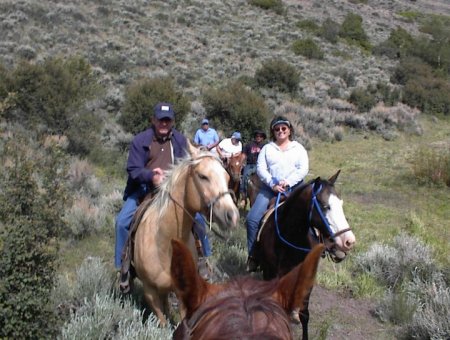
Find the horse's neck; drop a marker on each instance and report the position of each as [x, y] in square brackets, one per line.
[178, 217]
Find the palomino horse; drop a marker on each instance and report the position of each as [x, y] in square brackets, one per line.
[198, 183]
[234, 168]
[312, 213]
[244, 308]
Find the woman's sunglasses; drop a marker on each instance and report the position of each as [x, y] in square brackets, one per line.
[280, 128]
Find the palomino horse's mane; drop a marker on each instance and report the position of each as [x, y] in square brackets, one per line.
[162, 198]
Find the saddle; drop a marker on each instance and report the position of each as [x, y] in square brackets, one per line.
[270, 209]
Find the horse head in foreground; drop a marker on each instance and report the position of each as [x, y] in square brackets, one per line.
[311, 214]
[243, 308]
[198, 183]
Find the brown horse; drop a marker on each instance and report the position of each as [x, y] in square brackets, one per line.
[244, 308]
[198, 183]
[312, 213]
[253, 185]
[234, 168]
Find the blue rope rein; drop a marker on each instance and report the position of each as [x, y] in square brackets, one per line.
[314, 204]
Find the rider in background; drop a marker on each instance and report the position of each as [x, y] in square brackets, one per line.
[229, 147]
[251, 151]
[206, 136]
[282, 164]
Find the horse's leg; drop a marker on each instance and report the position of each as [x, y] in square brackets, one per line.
[156, 303]
[304, 316]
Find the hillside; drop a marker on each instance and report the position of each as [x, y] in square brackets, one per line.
[199, 43]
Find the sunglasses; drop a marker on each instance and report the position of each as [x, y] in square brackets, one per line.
[280, 128]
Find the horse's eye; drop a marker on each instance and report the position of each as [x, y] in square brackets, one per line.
[202, 177]
[326, 206]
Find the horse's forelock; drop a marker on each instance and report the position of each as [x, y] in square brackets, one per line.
[243, 308]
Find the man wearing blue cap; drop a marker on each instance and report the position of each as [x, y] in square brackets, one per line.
[151, 153]
[206, 136]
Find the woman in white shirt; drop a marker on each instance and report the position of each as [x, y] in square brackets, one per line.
[282, 165]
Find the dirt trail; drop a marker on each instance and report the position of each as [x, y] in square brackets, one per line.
[336, 316]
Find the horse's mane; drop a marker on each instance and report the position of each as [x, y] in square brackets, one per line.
[244, 308]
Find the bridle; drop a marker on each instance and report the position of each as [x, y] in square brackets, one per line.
[214, 200]
[314, 205]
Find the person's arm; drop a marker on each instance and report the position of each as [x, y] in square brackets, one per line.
[197, 137]
[137, 157]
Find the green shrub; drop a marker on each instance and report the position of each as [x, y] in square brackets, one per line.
[33, 197]
[362, 99]
[274, 5]
[143, 95]
[52, 95]
[431, 165]
[307, 48]
[353, 31]
[236, 103]
[430, 95]
[278, 74]
[308, 25]
[330, 31]
[53, 92]
[398, 44]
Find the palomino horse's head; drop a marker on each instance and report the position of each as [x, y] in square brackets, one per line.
[243, 308]
[327, 215]
[207, 188]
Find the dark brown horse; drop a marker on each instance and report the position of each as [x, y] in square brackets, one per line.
[311, 214]
[234, 168]
[244, 308]
[253, 184]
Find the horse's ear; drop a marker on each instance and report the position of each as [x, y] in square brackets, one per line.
[294, 286]
[333, 178]
[189, 285]
[192, 150]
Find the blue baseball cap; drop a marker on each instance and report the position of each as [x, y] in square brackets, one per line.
[205, 121]
[236, 135]
[164, 110]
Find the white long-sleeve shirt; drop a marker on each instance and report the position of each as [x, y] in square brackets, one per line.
[274, 164]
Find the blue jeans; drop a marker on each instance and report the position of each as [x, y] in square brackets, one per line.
[123, 220]
[256, 213]
[200, 231]
[249, 169]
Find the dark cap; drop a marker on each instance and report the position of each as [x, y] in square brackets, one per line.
[260, 132]
[164, 110]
